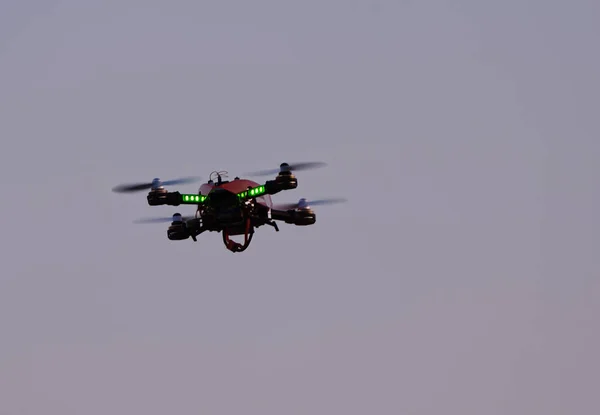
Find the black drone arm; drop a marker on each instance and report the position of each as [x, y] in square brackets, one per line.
[270, 187]
[273, 187]
[174, 198]
[283, 181]
[300, 217]
[286, 216]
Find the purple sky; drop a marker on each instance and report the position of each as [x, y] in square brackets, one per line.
[460, 279]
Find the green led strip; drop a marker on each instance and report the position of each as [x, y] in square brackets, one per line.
[192, 198]
[254, 192]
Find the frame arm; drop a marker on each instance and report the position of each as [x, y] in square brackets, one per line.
[157, 198]
[270, 187]
[286, 216]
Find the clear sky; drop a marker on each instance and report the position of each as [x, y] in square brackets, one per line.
[460, 279]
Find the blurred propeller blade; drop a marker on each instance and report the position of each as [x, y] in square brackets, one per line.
[309, 203]
[164, 219]
[136, 187]
[291, 167]
[182, 180]
[154, 220]
[130, 188]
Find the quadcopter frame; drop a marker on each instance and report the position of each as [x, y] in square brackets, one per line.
[254, 213]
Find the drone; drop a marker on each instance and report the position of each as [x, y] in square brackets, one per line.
[232, 207]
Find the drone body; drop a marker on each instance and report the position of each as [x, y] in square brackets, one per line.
[236, 207]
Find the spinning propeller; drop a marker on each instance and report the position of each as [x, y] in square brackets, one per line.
[306, 204]
[175, 218]
[288, 167]
[154, 184]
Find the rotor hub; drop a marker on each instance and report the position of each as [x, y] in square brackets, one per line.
[303, 204]
[284, 168]
[156, 184]
[285, 177]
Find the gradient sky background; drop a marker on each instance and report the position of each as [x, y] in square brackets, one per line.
[460, 279]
